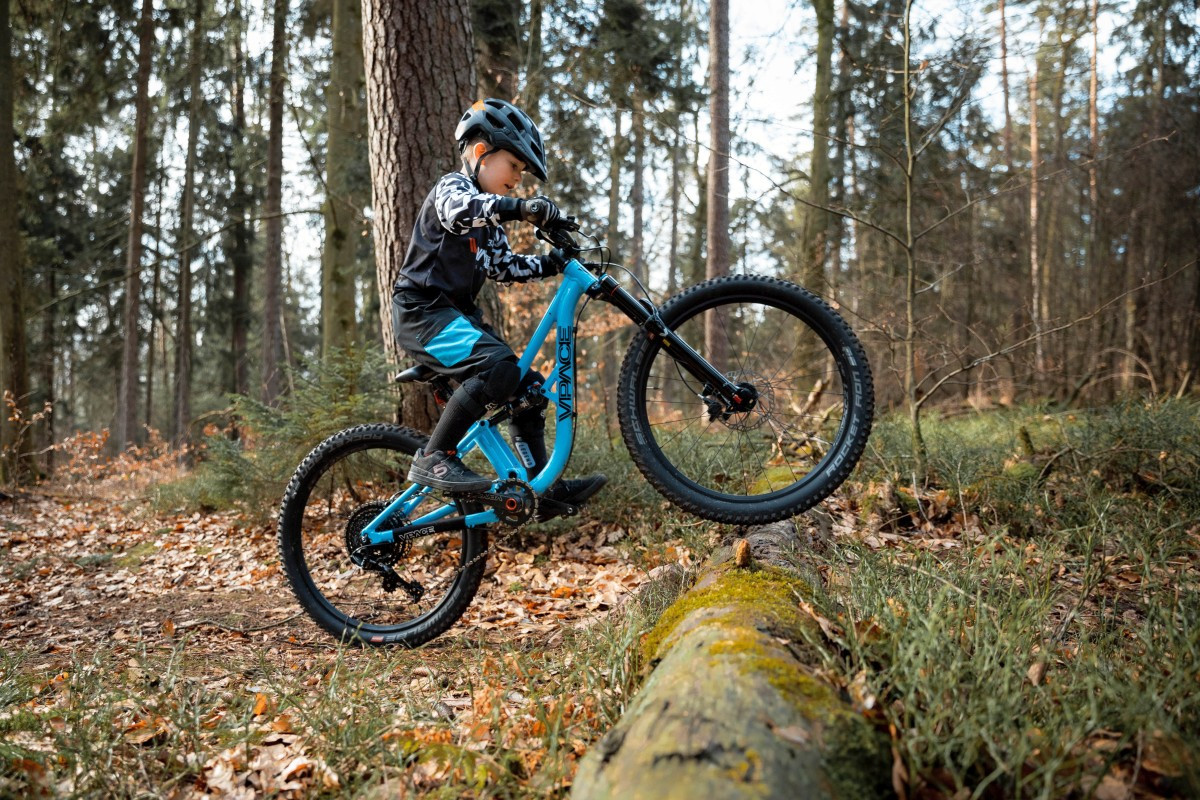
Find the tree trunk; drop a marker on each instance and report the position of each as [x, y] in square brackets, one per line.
[239, 323]
[49, 365]
[673, 253]
[717, 263]
[1007, 139]
[420, 77]
[126, 421]
[637, 190]
[272, 363]
[611, 349]
[816, 220]
[183, 329]
[911, 381]
[1035, 277]
[156, 310]
[14, 368]
[497, 34]
[729, 711]
[346, 124]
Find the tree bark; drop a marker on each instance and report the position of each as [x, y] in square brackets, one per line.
[637, 192]
[183, 329]
[1007, 139]
[673, 252]
[729, 711]
[126, 421]
[911, 381]
[346, 125]
[420, 76]
[156, 310]
[239, 323]
[1035, 277]
[816, 220]
[14, 368]
[717, 263]
[272, 360]
[496, 25]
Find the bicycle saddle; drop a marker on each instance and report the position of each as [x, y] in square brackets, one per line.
[418, 374]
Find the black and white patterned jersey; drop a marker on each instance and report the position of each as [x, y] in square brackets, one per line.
[457, 243]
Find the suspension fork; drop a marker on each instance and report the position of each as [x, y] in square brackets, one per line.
[736, 397]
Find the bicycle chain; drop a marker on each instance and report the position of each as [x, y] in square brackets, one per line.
[497, 540]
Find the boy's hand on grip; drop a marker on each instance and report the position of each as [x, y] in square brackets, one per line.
[554, 262]
[540, 211]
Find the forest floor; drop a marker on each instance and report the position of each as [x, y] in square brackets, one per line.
[1024, 624]
[164, 652]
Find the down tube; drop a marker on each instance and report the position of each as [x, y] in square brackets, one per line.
[576, 281]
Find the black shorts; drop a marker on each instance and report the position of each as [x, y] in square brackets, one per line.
[435, 333]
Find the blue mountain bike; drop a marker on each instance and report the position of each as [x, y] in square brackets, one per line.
[744, 400]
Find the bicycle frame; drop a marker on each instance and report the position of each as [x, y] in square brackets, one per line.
[559, 390]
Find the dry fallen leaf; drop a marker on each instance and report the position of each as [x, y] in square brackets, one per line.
[261, 704]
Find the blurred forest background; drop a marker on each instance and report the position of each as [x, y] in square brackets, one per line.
[185, 190]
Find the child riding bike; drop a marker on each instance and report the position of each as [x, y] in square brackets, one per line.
[457, 243]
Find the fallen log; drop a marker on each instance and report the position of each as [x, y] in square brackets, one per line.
[729, 709]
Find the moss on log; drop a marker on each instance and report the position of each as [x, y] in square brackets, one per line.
[729, 710]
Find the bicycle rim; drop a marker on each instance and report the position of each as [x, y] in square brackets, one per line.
[780, 457]
[338, 494]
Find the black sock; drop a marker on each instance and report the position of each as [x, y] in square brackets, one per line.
[460, 413]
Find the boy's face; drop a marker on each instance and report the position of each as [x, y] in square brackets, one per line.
[500, 172]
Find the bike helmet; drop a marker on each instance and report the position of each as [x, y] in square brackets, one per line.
[505, 127]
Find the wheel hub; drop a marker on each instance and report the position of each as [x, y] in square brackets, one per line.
[754, 392]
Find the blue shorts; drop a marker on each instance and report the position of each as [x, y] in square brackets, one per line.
[434, 332]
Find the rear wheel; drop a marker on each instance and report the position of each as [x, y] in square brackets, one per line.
[813, 401]
[342, 485]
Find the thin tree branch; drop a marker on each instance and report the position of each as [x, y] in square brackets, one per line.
[975, 362]
[164, 258]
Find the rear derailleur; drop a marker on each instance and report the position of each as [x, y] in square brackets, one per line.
[379, 557]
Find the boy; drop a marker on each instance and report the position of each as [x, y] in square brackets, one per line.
[457, 243]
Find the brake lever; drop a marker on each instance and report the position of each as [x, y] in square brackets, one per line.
[559, 237]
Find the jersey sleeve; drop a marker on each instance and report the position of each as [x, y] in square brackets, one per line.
[461, 207]
[505, 266]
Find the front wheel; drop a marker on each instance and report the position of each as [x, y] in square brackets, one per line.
[344, 483]
[812, 410]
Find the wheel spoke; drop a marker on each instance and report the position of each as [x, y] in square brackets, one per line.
[320, 528]
[777, 452]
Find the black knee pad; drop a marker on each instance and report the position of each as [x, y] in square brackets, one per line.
[495, 384]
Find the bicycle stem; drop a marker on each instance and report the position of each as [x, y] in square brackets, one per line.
[647, 318]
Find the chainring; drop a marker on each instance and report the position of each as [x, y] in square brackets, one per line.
[517, 502]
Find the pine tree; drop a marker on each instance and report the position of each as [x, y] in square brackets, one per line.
[346, 129]
[126, 421]
[14, 369]
[272, 363]
[415, 96]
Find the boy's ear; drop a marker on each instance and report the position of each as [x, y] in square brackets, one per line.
[478, 150]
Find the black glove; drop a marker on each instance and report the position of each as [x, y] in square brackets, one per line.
[554, 262]
[541, 211]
